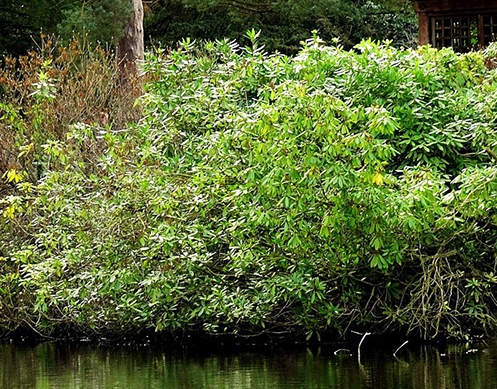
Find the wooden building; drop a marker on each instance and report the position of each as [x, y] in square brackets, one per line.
[464, 25]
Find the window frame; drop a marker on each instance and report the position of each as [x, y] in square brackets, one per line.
[453, 23]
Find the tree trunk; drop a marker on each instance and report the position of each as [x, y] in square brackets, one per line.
[131, 46]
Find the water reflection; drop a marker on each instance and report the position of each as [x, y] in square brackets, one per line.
[79, 366]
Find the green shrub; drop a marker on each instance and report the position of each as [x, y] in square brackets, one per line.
[260, 193]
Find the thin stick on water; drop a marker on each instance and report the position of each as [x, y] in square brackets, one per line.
[359, 347]
[340, 350]
[362, 340]
[402, 345]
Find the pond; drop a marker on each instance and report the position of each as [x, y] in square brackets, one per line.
[83, 365]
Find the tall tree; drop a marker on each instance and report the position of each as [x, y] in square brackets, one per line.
[131, 45]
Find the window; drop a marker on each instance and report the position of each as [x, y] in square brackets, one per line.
[489, 29]
[463, 33]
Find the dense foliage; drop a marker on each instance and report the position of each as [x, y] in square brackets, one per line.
[284, 22]
[22, 20]
[95, 20]
[331, 191]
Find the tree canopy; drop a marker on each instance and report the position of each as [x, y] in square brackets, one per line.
[284, 23]
[21, 22]
[96, 20]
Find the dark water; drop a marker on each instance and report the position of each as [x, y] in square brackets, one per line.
[80, 365]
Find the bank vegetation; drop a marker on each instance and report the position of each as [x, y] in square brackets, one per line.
[248, 193]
